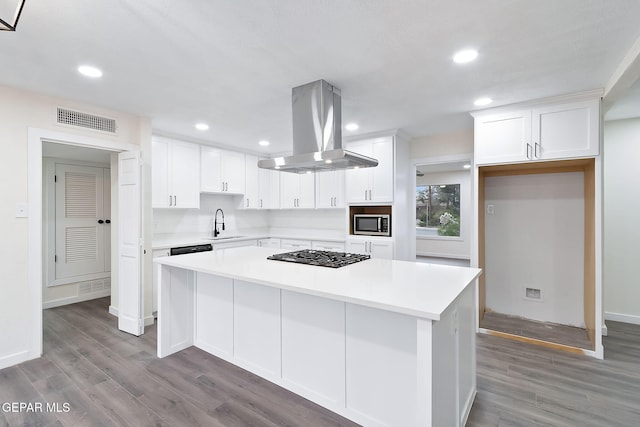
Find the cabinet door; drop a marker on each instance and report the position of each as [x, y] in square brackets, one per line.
[289, 190]
[210, 171]
[382, 175]
[185, 174]
[357, 246]
[567, 130]
[265, 188]
[327, 246]
[380, 249]
[251, 198]
[358, 181]
[295, 245]
[233, 171]
[330, 189]
[504, 137]
[160, 174]
[307, 192]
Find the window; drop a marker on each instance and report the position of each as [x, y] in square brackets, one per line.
[438, 210]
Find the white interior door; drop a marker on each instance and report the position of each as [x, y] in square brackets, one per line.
[79, 236]
[130, 311]
[106, 209]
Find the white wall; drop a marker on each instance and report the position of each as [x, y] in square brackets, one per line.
[535, 238]
[621, 228]
[442, 145]
[449, 247]
[19, 111]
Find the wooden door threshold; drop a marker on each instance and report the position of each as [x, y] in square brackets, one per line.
[534, 341]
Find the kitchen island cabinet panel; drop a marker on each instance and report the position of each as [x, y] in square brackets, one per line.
[318, 366]
[378, 342]
[214, 308]
[381, 348]
[256, 327]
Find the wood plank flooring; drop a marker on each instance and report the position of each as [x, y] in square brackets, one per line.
[546, 331]
[114, 379]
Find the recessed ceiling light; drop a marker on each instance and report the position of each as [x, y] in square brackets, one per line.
[482, 101]
[465, 56]
[89, 71]
[202, 126]
[467, 166]
[263, 142]
[351, 126]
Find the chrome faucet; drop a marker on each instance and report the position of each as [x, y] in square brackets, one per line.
[215, 222]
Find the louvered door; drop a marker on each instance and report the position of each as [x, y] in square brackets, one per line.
[80, 239]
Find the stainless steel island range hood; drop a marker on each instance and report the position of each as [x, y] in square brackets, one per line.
[317, 133]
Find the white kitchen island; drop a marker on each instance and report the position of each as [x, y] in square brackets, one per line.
[383, 343]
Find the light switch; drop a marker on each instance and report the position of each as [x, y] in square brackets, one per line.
[21, 210]
[490, 210]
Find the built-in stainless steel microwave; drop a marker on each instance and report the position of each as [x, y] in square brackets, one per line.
[371, 225]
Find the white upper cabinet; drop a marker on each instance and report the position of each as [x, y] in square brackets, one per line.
[297, 190]
[372, 184]
[222, 171]
[258, 186]
[547, 132]
[330, 189]
[175, 174]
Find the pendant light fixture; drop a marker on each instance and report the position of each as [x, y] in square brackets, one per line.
[10, 11]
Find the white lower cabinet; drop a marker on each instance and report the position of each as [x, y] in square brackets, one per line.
[377, 248]
[256, 327]
[269, 243]
[327, 246]
[218, 247]
[294, 244]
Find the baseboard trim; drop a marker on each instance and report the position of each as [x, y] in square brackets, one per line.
[73, 300]
[14, 359]
[148, 321]
[438, 255]
[624, 318]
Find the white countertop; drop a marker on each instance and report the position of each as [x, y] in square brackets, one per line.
[165, 241]
[416, 289]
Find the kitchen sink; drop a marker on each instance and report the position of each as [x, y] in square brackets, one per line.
[223, 237]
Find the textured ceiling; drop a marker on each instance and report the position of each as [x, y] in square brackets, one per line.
[232, 64]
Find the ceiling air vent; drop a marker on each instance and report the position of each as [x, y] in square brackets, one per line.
[88, 121]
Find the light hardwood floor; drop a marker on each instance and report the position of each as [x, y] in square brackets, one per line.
[546, 331]
[114, 379]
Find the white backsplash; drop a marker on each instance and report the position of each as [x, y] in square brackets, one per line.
[201, 220]
[290, 221]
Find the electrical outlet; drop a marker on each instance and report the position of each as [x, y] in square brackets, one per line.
[533, 294]
[490, 209]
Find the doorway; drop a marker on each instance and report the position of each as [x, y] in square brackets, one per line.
[128, 184]
[77, 224]
[443, 210]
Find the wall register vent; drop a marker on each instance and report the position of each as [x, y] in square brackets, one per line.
[87, 121]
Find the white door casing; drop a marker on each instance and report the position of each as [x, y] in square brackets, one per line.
[130, 311]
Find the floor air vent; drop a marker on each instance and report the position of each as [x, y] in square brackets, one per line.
[88, 121]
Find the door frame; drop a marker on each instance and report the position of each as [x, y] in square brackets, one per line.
[433, 161]
[35, 139]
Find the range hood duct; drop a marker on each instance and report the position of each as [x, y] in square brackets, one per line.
[317, 133]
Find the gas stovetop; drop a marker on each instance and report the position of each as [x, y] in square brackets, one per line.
[321, 258]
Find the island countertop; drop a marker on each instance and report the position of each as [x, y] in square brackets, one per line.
[411, 288]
